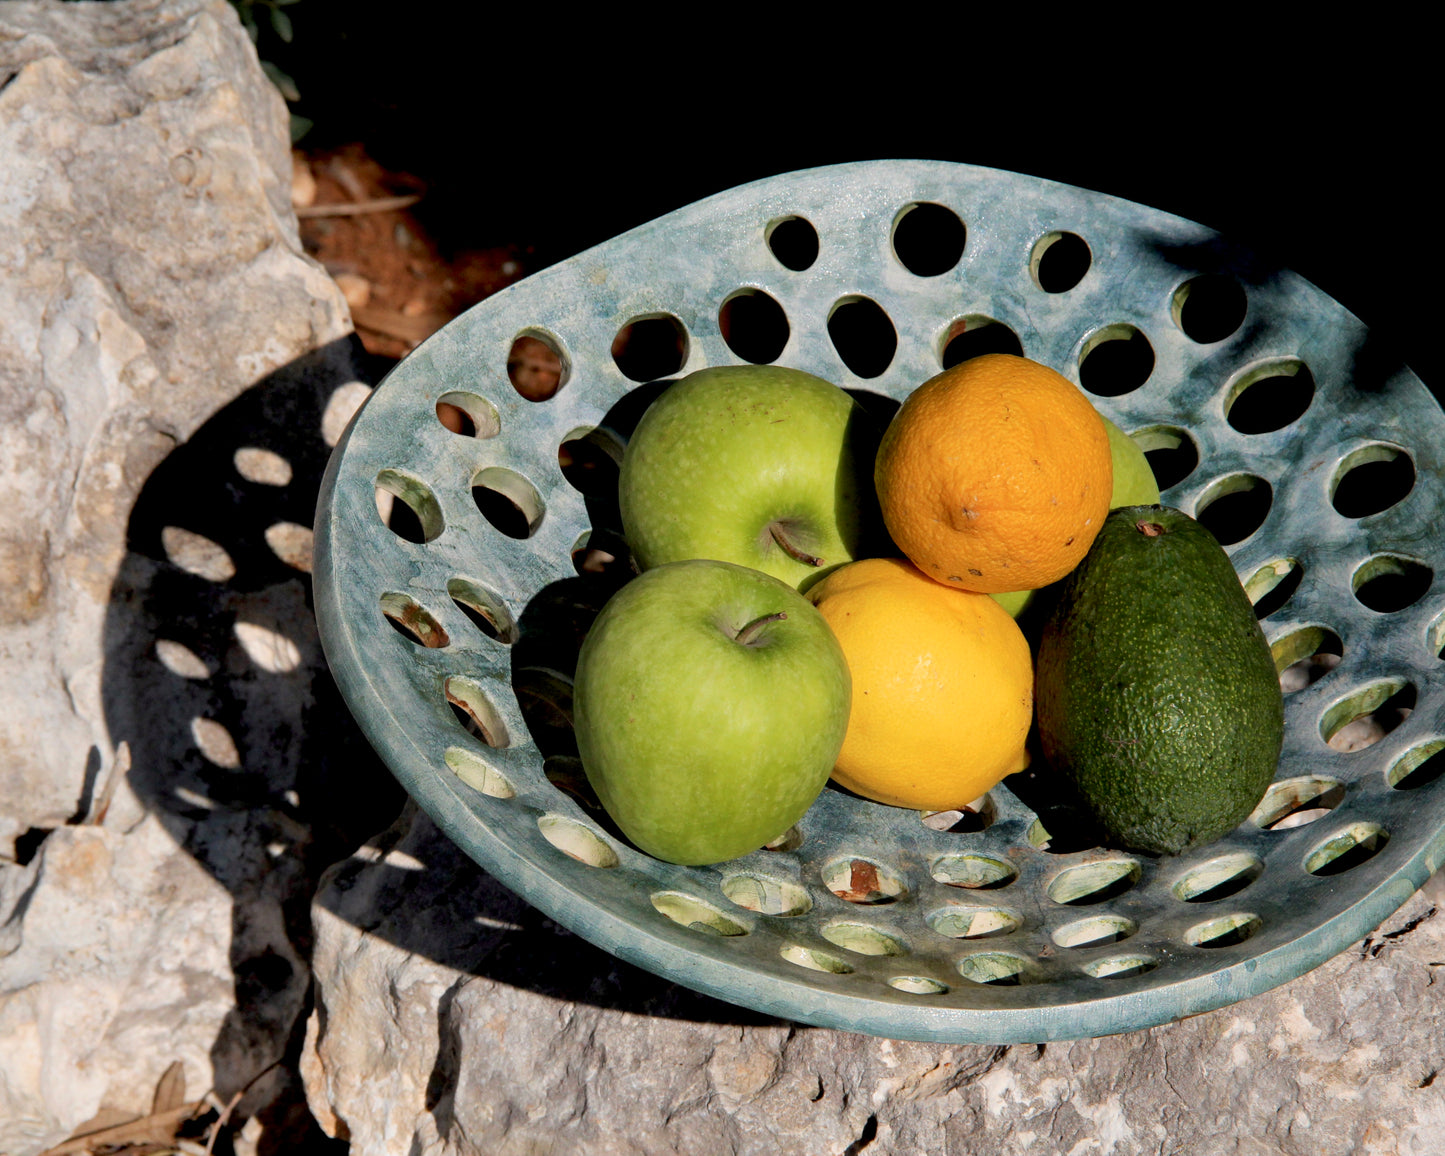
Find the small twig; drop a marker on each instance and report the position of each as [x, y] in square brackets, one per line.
[119, 768]
[359, 208]
[222, 1118]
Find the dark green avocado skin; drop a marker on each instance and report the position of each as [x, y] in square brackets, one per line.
[1157, 694]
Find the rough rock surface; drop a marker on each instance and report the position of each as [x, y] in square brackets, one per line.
[525, 1039]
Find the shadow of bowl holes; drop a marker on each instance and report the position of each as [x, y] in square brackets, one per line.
[1219, 878]
[958, 922]
[1297, 802]
[1389, 582]
[1059, 261]
[975, 335]
[181, 660]
[862, 939]
[1208, 308]
[477, 773]
[767, 896]
[1120, 966]
[1345, 851]
[1095, 931]
[508, 501]
[917, 985]
[417, 516]
[973, 872]
[997, 969]
[1269, 396]
[1305, 656]
[1273, 584]
[536, 366]
[793, 241]
[469, 415]
[1116, 360]
[1235, 507]
[815, 960]
[1368, 715]
[754, 326]
[545, 699]
[1095, 882]
[863, 335]
[928, 239]
[591, 460]
[413, 621]
[196, 554]
[215, 743]
[1418, 767]
[293, 544]
[1068, 831]
[1371, 480]
[1170, 452]
[976, 816]
[475, 712]
[577, 841]
[862, 881]
[603, 554]
[485, 610]
[1225, 931]
[695, 915]
[262, 467]
[650, 347]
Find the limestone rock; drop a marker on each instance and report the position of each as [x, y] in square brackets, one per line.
[453, 1019]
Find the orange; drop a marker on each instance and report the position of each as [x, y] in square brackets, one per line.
[995, 475]
[942, 686]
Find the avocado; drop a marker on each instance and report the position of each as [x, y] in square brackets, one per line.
[1157, 695]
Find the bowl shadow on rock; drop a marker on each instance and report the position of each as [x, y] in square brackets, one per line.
[241, 743]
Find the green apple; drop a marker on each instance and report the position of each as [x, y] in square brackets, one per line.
[710, 705]
[768, 467]
[1134, 485]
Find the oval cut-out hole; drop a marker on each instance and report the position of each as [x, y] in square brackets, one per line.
[789, 840]
[545, 699]
[1209, 308]
[1219, 878]
[815, 960]
[477, 773]
[998, 968]
[1096, 931]
[590, 460]
[1418, 767]
[917, 985]
[754, 326]
[1059, 261]
[508, 501]
[695, 914]
[468, 414]
[486, 611]
[767, 896]
[794, 242]
[1368, 715]
[475, 712]
[959, 922]
[196, 554]
[603, 552]
[863, 939]
[1120, 966]
[975, 816]
[1371, 480]
[1295, 802]
[1346, 850]
[1225, 931]
[975, 335]
[1305, 656]
[1272, 585]
[293, 544]
[417, 517]
[1170, 452]
[651, 347]
[1269, 396]
[1094, 882]
[928, 239]
[1074, 834]
[975, 872]
[1235, 507]
[262, 467]
[412, 620]
[1115, 360]
[1389, 582]
[861, 881]
[577, 841]
[535, 367]
[863, 336]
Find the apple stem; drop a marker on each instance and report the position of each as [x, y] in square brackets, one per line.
[749, 633]
[791, 550]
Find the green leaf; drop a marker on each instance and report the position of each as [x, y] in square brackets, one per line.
[282, 24]
[284, 83]
[300, 126]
